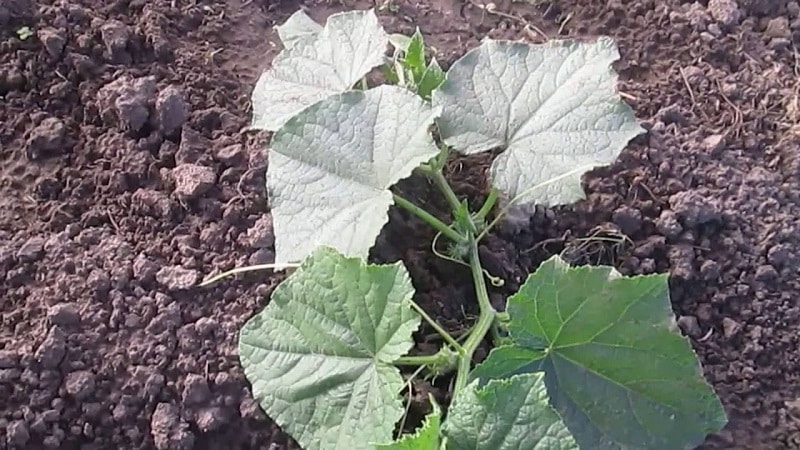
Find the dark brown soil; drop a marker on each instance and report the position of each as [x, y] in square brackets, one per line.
[125, 177]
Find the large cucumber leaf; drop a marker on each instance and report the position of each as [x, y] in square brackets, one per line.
[331, 166]
[297, 29]
[553, 108]
[507, 414]
[618, 373]
[314, 66]
[319, 356]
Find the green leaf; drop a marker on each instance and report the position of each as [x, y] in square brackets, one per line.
[414, 59]
[431, 79]
[298, 28]
[331, 166]
[507, 414]
[319, 356]
[318, 66]
[616, 371]
[399, 41]
[426, 437]
[552, 108]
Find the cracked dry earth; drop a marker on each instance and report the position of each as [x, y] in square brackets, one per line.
[125, 178]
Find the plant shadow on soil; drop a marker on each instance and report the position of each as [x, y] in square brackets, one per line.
[109, 213]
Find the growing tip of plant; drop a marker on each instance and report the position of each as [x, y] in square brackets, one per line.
[226, 274]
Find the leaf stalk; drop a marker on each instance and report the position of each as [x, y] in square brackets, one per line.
[485, 320]
[428, 218]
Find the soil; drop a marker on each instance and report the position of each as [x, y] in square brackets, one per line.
[126, 176]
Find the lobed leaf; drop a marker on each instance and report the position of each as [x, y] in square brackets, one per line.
[319, 356]
[426, 437]
[616, 371]
[315, 66]
[552, 108]
[330, 168]
[507, 414]
[298, 28]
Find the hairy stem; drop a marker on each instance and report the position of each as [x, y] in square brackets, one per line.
[488, 204]
[429, 218]
[434, 172]
[441, 182]
[442, 332]
[422, 360]
[485, 320]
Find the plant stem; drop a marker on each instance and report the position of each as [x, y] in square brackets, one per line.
[488, 204]
[485, 320]
[435, 174]
[428, 218]
[444, 186]
[442, 332]
[420, 360]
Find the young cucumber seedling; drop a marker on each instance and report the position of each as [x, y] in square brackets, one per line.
[583, 357]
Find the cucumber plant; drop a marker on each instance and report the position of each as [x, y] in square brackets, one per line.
[584, 357]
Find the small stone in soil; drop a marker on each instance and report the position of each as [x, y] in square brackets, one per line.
[194, 147]
[210, 419]
[232, 155]
[171, 110]
[713, 144]
[115, 35]
[778, 255]
[690, 326]
[681, 258]
[695, 208]
[80, 384]
[17, 433]
[778, 28]
[261, 234]
[47, 139]
[725, 12]
[778, 44]
[169, 431]
[628, 219]
[766, 273]
[709, 270]
[53, 41]
[261, 256]
[31, 250]
[144, 269]
[195, 390]
[192, 180]
[8, 359]
[668, 225]
[65, 314]
[52, 349]
[730, 327]
[130, 100]
[177, 278]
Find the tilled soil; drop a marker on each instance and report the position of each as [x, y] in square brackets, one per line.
[127, 176]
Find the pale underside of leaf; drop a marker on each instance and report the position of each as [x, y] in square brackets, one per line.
[553, 108]
[330, 169]
[318, 66]
[507, 414]
[298, 28]
[319, 356]
[617, 373]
